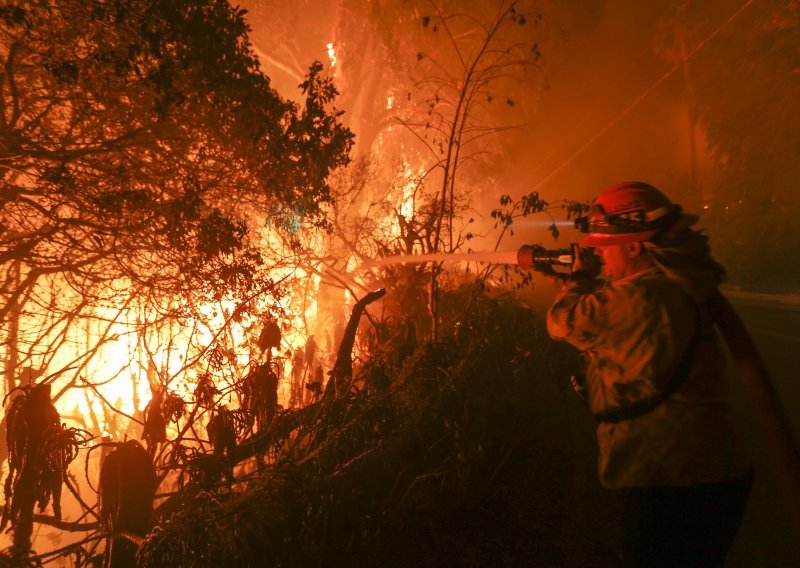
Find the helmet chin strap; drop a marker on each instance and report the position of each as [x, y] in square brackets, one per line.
[638, 261]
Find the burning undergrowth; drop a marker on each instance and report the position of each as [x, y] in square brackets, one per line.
[439, 453]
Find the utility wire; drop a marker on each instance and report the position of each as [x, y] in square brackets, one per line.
[639, 99]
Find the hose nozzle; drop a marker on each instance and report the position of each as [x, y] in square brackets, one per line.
[527, 255]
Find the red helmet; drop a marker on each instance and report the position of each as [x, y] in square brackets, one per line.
[631, 212]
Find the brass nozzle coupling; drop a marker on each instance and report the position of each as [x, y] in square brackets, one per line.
[525, 255]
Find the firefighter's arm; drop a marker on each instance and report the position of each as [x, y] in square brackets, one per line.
[578, 314]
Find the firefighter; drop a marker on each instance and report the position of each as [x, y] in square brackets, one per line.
[635, 306]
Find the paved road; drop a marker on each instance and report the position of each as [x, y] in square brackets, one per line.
[766, 538]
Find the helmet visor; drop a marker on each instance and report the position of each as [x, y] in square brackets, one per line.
[599, 221]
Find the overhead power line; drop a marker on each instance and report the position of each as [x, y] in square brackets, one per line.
[638, 100]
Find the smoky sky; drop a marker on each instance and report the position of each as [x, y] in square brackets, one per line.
[605, 117]
[609, 110]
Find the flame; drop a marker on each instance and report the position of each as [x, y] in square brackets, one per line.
[403, 194]
[111, 356]
[119, 356]
[332, 56]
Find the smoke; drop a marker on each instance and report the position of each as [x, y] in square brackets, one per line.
[610, 101]
[590, 131]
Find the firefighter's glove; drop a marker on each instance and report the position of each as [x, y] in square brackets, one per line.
[546, 269]
[585, 264]
[578, 386]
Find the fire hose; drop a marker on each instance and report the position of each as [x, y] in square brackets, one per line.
[781, 442]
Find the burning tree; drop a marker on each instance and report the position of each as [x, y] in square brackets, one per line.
[429, 88]
[461, 81]
[141, 148]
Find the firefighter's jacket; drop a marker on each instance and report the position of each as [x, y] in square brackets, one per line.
[634, 333]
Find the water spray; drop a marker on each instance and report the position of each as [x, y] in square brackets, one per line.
[525, 257]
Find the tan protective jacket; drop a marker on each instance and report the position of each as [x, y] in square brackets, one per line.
[634, 333]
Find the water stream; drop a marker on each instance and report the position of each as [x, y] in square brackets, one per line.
[493, 257]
